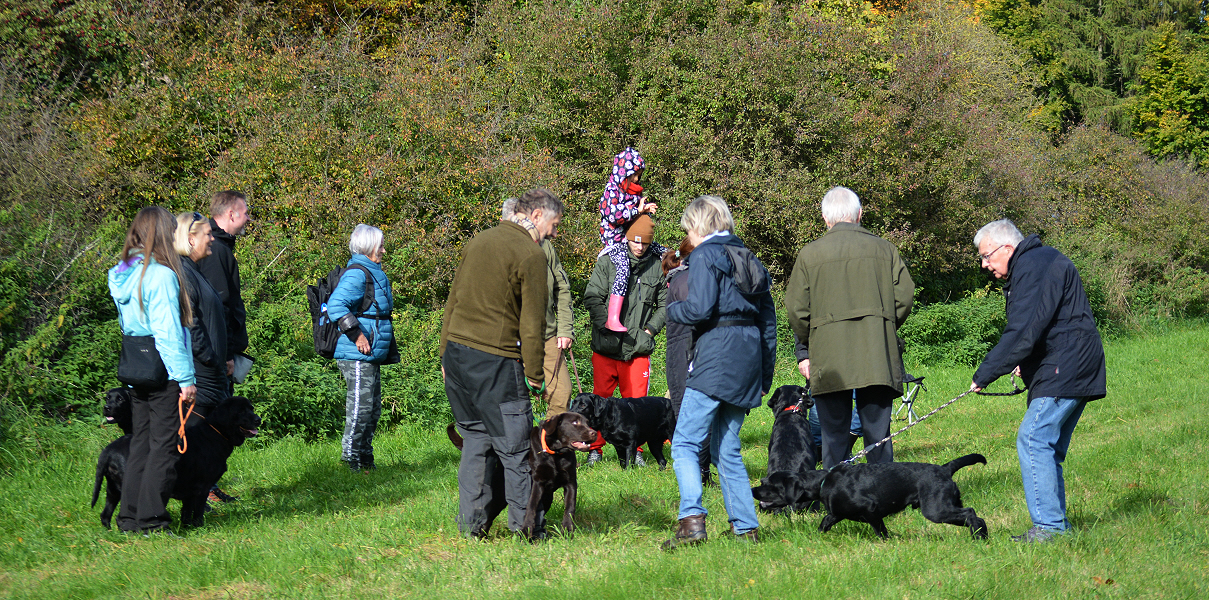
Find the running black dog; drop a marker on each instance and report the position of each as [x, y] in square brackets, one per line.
[197, 470]
[552, 446]
[870, 493]
[628, 423]
[791, 446]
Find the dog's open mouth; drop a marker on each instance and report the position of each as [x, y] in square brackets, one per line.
[581, 446]
[249, 432]
[111, 420]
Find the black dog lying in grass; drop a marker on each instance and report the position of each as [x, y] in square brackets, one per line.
[197, 470]
[552, 446]
[628, 423]
[870, 493]
[791, 446]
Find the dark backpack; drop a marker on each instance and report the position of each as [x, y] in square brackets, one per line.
[751, 278]
[324, 329]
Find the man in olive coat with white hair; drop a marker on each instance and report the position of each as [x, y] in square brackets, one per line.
[848, 295]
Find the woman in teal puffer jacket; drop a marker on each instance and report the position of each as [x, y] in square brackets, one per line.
[366, 344]
[146, 286]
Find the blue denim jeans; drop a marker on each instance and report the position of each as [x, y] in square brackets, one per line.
[699, 415]
[1041, 444]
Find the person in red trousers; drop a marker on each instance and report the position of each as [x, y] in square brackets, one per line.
[621, 360]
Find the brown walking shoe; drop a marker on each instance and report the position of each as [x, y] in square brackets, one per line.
[691, 531]
[748, 536]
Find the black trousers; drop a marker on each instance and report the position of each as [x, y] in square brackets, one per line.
[151, 466]
[873, 404]
[491, 406]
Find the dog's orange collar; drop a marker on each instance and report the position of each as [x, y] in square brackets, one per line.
[545, 448]
[795, 408]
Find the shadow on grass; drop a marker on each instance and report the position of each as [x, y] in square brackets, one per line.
[1129, 505]
[329, 486]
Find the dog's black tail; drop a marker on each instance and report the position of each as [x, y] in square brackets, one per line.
[965, 461]
[96, 487]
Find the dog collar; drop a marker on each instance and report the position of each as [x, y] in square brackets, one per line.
[545, 448]
[795, 408]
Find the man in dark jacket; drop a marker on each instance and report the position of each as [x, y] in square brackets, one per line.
[848, 295]
[492, 348]
[622, 360]
[1052, 342]
[228, 218]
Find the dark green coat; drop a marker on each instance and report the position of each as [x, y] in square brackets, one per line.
[644, 307]
[849, 293]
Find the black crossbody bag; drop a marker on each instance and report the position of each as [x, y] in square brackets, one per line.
[140, 364]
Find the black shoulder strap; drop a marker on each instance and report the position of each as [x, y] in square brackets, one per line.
[367, 300]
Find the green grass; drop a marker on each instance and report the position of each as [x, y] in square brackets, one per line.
[306, 527]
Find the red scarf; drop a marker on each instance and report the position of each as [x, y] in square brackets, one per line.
[632, 189]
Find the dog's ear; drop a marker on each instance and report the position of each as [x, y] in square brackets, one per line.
[775, 398]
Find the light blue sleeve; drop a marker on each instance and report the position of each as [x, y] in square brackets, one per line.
[347, 295]
[162, 298]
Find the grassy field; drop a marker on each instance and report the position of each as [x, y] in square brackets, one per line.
[306, 527]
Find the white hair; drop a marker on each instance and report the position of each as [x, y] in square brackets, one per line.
[366, 239]
[1002, 231]
[707, 214]
[841, 205]
[508, 209]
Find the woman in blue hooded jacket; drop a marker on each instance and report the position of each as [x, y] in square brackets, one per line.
[730, 370]
[366, 344]
[147, 288]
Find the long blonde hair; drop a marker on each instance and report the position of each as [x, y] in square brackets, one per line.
[151, 234]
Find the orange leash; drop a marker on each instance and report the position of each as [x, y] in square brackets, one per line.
[180, 410]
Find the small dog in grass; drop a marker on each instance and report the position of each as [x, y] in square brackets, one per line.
[870, 493]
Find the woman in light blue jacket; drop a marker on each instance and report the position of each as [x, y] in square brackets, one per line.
[146, 286]
[366, 344]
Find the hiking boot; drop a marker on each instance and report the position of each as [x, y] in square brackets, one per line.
[1036, 535]
[690, 532]
[593, 458]
[747, 537]
[353, 465]
[217, 495]
[367, 463]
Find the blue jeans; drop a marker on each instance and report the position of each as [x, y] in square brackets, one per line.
[1041, 445]
[699, 415]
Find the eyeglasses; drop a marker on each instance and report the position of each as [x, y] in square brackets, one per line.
[986, 257]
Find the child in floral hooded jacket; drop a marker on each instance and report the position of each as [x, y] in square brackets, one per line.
[620, 205]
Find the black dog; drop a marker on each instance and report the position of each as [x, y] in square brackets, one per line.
[552, 446]
[628, 423]
[117, 409]
[791, 447]
[197, 470]
[870, 493]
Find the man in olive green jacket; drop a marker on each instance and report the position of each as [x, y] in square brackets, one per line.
[560, 324]
[848, 295]
[491, 350]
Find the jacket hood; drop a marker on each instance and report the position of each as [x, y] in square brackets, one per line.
[626, 163]
[124, 277]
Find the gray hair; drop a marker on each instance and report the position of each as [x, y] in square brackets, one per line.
[539, 198]
[366, 239]
[707, 214]
[841, 205]
[1002, 231]
[508, 209]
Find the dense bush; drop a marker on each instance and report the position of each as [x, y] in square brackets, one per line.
[424, 129]
[955, 333]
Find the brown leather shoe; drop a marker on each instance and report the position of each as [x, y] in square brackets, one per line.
[691, 531]
[749, 537]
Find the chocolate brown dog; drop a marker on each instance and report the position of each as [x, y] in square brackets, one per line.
[870, 493]
[552, 446]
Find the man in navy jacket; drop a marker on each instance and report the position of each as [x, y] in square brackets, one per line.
[1052, 342]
